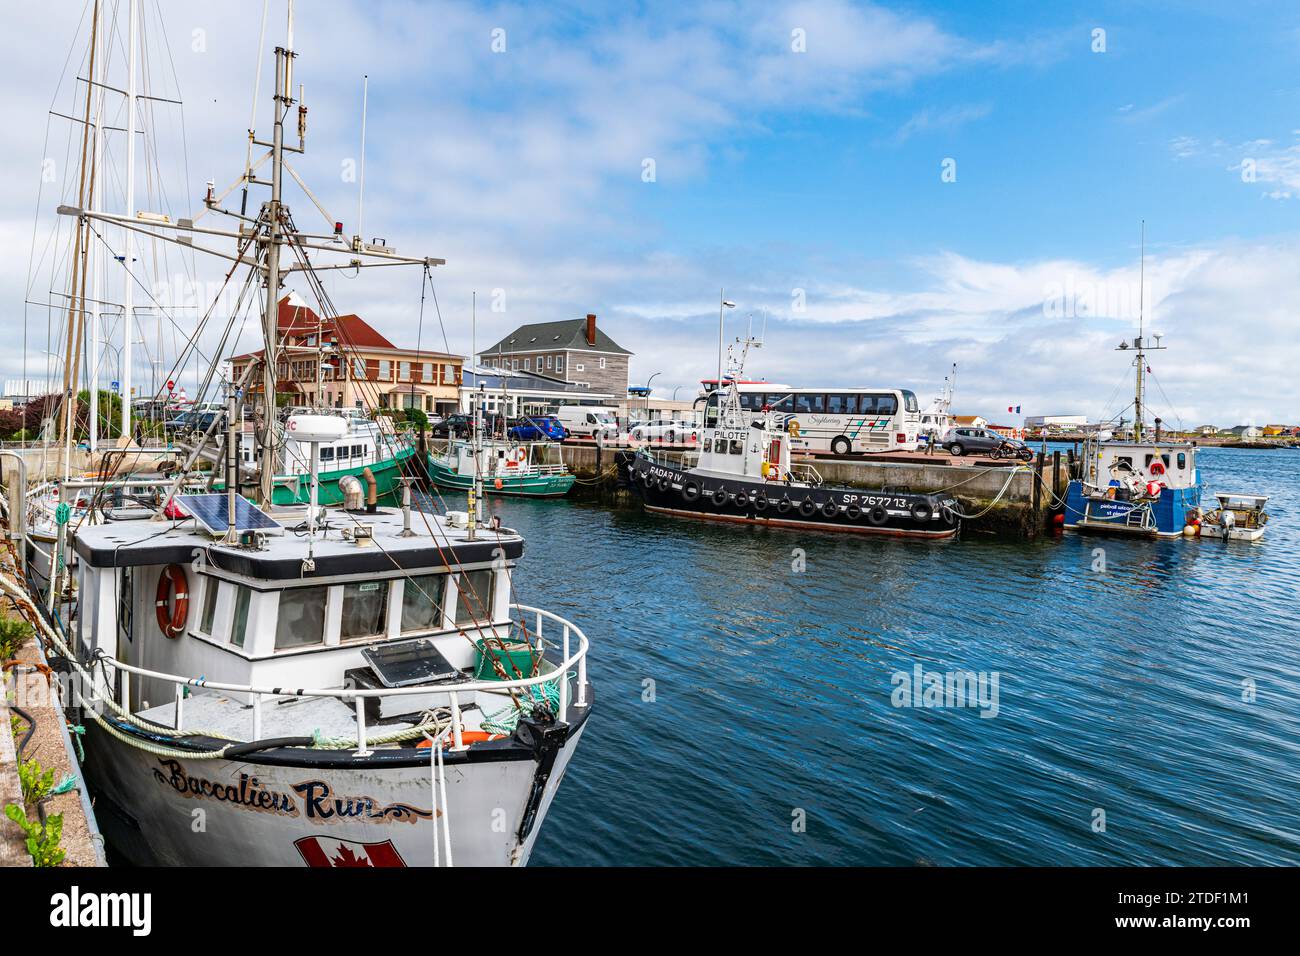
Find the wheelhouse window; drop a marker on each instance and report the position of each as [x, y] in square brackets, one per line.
[365, 610]
[326, 453]
[1182, 460]
[422, 603]
[209, 613]
[711, 411]
[708, 445]
[239, 625]
[737, 446]
[301, 622]
[474, 600]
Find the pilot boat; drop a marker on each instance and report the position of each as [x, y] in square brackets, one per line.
[743, 474]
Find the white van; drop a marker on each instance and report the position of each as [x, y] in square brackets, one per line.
[588, 420]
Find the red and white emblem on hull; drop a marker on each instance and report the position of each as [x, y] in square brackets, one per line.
[327, 852]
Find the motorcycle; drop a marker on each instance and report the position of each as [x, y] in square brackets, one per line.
[1008, 450]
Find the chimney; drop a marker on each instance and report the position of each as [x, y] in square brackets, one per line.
[591, 329]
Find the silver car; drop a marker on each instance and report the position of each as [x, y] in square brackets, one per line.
[961, 441]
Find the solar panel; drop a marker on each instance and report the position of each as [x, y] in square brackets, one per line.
[212, 512]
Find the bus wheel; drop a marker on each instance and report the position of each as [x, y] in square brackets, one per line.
[841, 445]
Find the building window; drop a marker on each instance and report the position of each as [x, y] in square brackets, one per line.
[426, 371]
[422, 603]
[559, 363]
[358, 368]
[580, 367]
[404, 371]
[385, 370]
[365, 610]
[602, 363]
[526, 361]
[302, 617]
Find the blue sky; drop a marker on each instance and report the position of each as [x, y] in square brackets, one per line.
[778, 170]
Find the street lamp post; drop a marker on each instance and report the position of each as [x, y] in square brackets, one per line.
[647, 394]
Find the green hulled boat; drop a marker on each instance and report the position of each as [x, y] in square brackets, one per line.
[388, 457]
[509, 468]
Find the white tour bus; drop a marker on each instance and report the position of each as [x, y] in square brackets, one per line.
[841, 420]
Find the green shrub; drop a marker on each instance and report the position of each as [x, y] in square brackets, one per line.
[14, 633]
[37, 782]
[42, 840]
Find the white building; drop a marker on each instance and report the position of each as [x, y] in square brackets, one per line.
[1060, 423]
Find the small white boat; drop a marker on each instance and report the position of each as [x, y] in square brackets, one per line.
[1237, 518]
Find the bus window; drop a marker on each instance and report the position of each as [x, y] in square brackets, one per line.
[839, 404]
[868, 404]
[886, 405]
[909, 401]
[747, 401]
[810, 404]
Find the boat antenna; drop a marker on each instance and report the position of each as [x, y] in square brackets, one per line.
[361, 185]
[475, 484]
[723, 303]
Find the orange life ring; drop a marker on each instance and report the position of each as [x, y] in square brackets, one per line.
[172, 602]
[1157, 468]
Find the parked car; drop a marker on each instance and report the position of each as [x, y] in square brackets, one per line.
[453, 426]
[961, 441]
[461, 425]
[538, 428]
[196, 419]
[669, 431]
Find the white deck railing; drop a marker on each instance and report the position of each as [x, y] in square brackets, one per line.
[571, 658]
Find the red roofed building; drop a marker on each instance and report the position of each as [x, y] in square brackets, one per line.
[372, 372]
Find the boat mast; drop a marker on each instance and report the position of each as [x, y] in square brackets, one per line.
[1141, 356]
[77, 286]
[275, 239]
[96, 259]
[128, 235]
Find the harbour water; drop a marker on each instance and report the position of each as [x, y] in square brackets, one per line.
[740, 696]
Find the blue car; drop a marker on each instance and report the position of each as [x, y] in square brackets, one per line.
[538, 428]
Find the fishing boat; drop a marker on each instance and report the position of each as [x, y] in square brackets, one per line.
[295, 684]
[1145, 486]
[743, 474]
[364, 452]
[504, 467]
